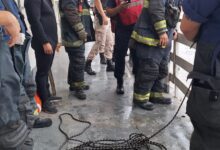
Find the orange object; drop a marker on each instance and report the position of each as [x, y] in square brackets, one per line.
[38, 102]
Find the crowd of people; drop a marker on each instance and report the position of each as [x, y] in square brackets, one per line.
[145, 27]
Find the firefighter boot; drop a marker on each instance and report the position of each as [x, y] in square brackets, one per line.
[88, 68]
[110, 66]
[144, 105]
[102, 58]
[80, 94]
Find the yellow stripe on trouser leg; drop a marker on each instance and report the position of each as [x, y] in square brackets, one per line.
[141, 97]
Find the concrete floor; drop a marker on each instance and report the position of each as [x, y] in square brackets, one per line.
[112, 116]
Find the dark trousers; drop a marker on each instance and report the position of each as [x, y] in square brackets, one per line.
[150, 68]
[203, 105]
[76, 64]
[44, 63]
[122, 37]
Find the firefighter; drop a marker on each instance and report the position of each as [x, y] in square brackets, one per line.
[200, 24]
[104, 39]
[126, 14]
[76, 27]
[150, 45]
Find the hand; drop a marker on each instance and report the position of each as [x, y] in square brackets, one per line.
[12, 29]
[82, 35]
[48, 48]
[164, 40]
[123, 5]
[105, 20]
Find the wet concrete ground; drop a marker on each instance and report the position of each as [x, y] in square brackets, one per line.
[112, 116]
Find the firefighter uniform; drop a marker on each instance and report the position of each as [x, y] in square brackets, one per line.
[75, 24]
[203, 104]
[103, 44]
[150, 59]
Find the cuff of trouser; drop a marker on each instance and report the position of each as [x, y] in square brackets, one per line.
[141, 97]
[160, 27]
[78, 27]
[77, 84]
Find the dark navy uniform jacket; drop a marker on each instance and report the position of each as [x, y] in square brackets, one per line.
[208, 14]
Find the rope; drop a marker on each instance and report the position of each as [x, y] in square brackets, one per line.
[136, 141]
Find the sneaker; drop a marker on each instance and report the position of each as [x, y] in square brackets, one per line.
[49, 108]
[164, 101]
[42, 123]
[80, 94]
[146, 106]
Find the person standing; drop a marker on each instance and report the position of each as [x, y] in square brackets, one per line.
[126, 14]
[42, 19]
[11, 124]
[200, 24]
[104, 39]
[150, 46]
[76, 29]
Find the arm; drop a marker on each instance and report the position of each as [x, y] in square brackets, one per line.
[157, 13]
[33, 10]
[70, 10]
[189, 28]
[11, 26]
[99, 7]
[114, 11]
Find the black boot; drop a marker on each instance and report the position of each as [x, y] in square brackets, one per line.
[80, 94]
[42, 123]
[49, 108]
[146, 105]
[110, 66]
[120, 87]
[102, 58]
[88, 68]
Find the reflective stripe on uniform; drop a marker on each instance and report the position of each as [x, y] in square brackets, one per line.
[78, 84]
[144, 40]
[160, 25]
[159, 95]
[77, 43]
[85, 12]
[141, 97]
[146, 3]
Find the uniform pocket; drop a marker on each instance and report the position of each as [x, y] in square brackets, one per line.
[203, 106]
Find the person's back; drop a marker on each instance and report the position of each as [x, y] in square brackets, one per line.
[200, 24]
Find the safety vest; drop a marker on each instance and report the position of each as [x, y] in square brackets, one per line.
[130, 15]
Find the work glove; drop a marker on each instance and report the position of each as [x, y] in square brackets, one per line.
[82, 35]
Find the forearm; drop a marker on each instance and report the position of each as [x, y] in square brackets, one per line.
[113, 11]
[5, 18]
[189, 28]
[99, 7]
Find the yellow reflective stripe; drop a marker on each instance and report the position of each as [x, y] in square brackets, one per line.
[78, 84]
[160, 25]
[146, 3]
[77, 43]
[142, 97]
[159, 95]
[144, 40]
[85, 12]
